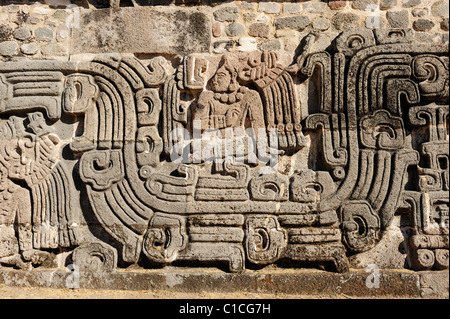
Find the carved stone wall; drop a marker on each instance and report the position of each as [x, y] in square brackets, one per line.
[224, 133]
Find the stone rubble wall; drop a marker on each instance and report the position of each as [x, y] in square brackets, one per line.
[39, 30]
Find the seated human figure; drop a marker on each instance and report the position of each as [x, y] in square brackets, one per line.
[231, 108]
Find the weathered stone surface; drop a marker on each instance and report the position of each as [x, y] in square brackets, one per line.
[423, 25]
[11, 8]
[345, 21]
[398, 19]
[54, 49]
[145, 29]
[444, 24]
[43, 34]
[247, 44]
[292, 8]
[260, 30]
[434, 285]
[314, 7]
[337, 4]
[321, 24]
[5, 32]
[272, 45]
[410, 3]
[249, 16]
[61, 14]
[62, 33]
[235, 29]
[387, 4]
[226, 14]
[419, 12]
[248, 5]
[440, 8]
[9, 48]
[390, 253]
[375, 22]
[366, 5]
[33, 18]
[29, 48]
[223, 46]
[22, 33]
[217, 29]
[295, 22]
[312, 283]
[269, 7]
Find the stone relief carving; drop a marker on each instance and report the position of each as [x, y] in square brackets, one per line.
[126, 161]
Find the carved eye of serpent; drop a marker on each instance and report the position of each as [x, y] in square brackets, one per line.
[261, 239]
[361, 226]
[150, 105]
[99, 166]
[355, 42]
[161, 239]
[396, 34]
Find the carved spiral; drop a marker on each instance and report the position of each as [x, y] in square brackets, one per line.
[155, 244]
[442, 257]
[355, 41]
[146, 171]
[95, 257]
[425, 259]
[359, 236]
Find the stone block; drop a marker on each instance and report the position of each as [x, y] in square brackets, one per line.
[29, 48]
[248, 5]
[366, 5]
[247, 44]
[440, 9]
[235, 29]
[346, 21]
[269, 7]
[410, 3]
[143, 29]
[388, 4]
[337, 4]
[260, 30]
[420, 12]
[217, 29]
[9, 48]
[398, 19]
[54, 49]
[43, 34]
[271, 45]
[5, 32]
[289, 8]
[321, 24]
[22, 33]
[444, 24]
[226, 14]
[423, 25]
[314, 7]
[295, 22]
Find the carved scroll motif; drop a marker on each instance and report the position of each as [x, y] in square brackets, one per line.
[165, 238]
[265, 239]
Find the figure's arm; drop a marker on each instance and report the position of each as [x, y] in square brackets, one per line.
[202, 110]
[255, 110]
